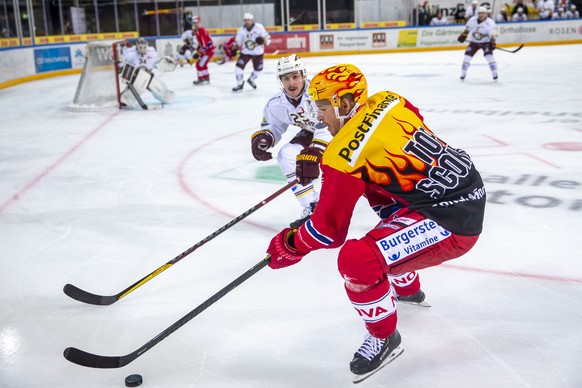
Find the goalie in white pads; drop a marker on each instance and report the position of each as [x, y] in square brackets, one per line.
[291, 107]
[137, 72]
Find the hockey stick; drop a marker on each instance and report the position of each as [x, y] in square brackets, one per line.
[510, 51]
[102, 300]
[90, 360]
[137, 96]
[297, 18]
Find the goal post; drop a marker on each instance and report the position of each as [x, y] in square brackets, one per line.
[98, 87]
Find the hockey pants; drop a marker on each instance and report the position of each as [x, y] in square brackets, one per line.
[383, 264]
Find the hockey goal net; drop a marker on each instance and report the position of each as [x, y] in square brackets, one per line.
[98, 87]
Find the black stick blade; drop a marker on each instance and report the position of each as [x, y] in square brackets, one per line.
[87, 297]
[510, 51]
[83, 358]
[90, 360]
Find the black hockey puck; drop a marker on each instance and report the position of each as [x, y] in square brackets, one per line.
[133, 381]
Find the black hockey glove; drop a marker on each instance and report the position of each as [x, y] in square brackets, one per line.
[307, 165]
[260, 40]
[261, 141]
[463, 36]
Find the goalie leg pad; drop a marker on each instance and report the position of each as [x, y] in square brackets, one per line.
[142, 80]
[127, 72]
[127, 98]
[160, 91]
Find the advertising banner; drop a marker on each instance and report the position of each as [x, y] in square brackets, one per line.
[50, 59]
[289, 43]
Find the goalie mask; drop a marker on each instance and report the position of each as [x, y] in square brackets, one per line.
[141, 46]
[290, 64]
[337, 81]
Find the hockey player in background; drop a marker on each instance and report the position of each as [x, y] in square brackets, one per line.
[204, 51]
[482, 36]
[230, 49]
[428, 195]
[291, 107]
[187, 49]
[136, 68]
[251, 38]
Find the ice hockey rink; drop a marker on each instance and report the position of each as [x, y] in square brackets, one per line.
[101, 199]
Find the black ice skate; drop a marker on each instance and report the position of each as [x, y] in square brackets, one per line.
[305, 215]
[374, 354]
[250, 82]
[200, 81]
[238, 87]
[416, 299]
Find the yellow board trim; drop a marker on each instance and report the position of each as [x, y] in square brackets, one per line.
[35, 77]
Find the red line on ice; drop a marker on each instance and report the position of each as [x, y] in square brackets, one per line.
[187, 189]
[513, 274]
[16, 196]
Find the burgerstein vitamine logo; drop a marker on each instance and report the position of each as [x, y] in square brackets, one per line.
[412, 239]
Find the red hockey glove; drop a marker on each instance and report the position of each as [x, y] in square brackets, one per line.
[260, 40]
[307, 165]
[261, 141]
[282, 251]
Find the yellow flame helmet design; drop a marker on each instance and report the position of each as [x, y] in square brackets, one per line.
[334, 82]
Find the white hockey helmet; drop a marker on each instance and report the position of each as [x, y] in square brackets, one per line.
[482, 9]
[289, 64]
[248, 16]
[141, 46]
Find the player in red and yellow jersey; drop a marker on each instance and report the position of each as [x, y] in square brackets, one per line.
[429, 196]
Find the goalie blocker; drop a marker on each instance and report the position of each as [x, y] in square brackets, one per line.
[138, 79]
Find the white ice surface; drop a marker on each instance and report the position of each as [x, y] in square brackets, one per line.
[100, 200]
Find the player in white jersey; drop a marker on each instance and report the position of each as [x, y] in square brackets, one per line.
[251, 38]
[300, 157]
[482, 36]
[188, 48]
[137, 72]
